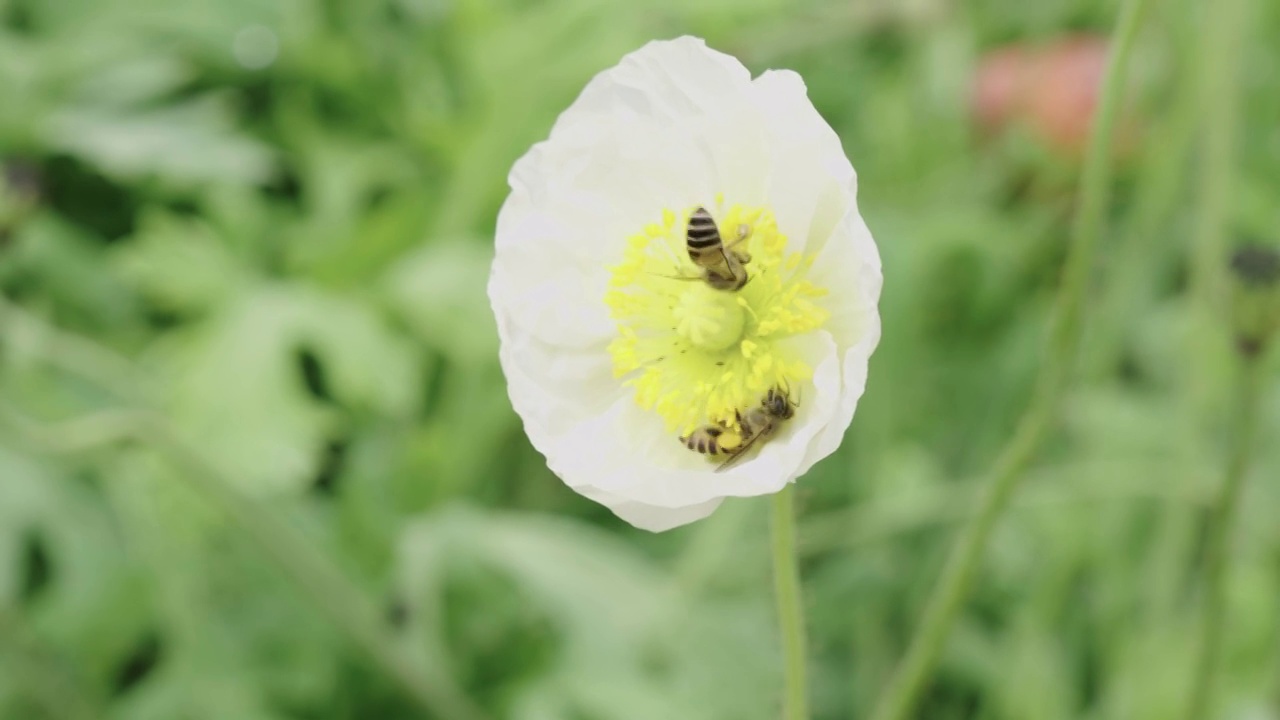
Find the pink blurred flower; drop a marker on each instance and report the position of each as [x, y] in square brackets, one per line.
[1052, 89]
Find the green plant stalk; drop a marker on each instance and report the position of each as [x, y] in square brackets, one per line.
[1219, 56]
[1054, 489]
[1221, 521]
[321, 582]
[1220, 84]
[786, 584]
[909, 680]
[1159, 189]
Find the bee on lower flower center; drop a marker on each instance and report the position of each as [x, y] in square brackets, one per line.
[756, 424]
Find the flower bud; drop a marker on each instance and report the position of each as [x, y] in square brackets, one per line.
[19, 191]
[1255, 269]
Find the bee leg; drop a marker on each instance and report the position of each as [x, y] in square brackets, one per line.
[744, 231]
[720, 282]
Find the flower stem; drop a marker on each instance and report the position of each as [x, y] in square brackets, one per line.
[1218, 536]
[786, 583]
[1220, 85]
[911, 677]
[1220, 57]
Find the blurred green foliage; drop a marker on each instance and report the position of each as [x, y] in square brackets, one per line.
[271, 223]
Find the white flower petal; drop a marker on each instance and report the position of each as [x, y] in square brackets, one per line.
[679, 108]
[849, 267]
[811, 182]
[670, 126]
[553, 388]
[538, 283]
[650, 517]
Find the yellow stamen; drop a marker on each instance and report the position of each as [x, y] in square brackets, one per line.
[695, 354]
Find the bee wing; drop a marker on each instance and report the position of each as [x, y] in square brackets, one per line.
[742, 450]
[724, 257]
[720, 266]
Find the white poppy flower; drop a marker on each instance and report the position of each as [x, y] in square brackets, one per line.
[612, 345]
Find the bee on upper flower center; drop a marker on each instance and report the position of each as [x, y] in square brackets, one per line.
[722, 265]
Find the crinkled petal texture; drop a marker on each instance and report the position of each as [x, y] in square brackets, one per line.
[673, 125]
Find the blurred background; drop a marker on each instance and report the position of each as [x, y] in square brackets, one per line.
[271, 224]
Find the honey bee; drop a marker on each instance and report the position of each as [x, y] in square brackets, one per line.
[721, 264]
[757, 423]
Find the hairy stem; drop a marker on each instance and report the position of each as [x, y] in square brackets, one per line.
[786, 582]
[1220, 85]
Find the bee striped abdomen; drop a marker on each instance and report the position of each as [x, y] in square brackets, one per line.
[703, 440]
[722, 267]
[704, 244]
[712, 440]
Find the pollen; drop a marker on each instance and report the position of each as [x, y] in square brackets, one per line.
[695, 354]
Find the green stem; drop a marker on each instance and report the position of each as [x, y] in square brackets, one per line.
[1218, 536]
[911, 677]
[786, 583]
[1220, 99]
[1219, 56]
[1220, 84]
[1061, 489]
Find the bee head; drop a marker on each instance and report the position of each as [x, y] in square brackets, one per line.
[778, 404]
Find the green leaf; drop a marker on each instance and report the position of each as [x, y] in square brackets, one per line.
[441, 292]
[178, 264]
[187, 143]
[237, 385]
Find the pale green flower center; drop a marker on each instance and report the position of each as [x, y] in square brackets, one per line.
[708, 319]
